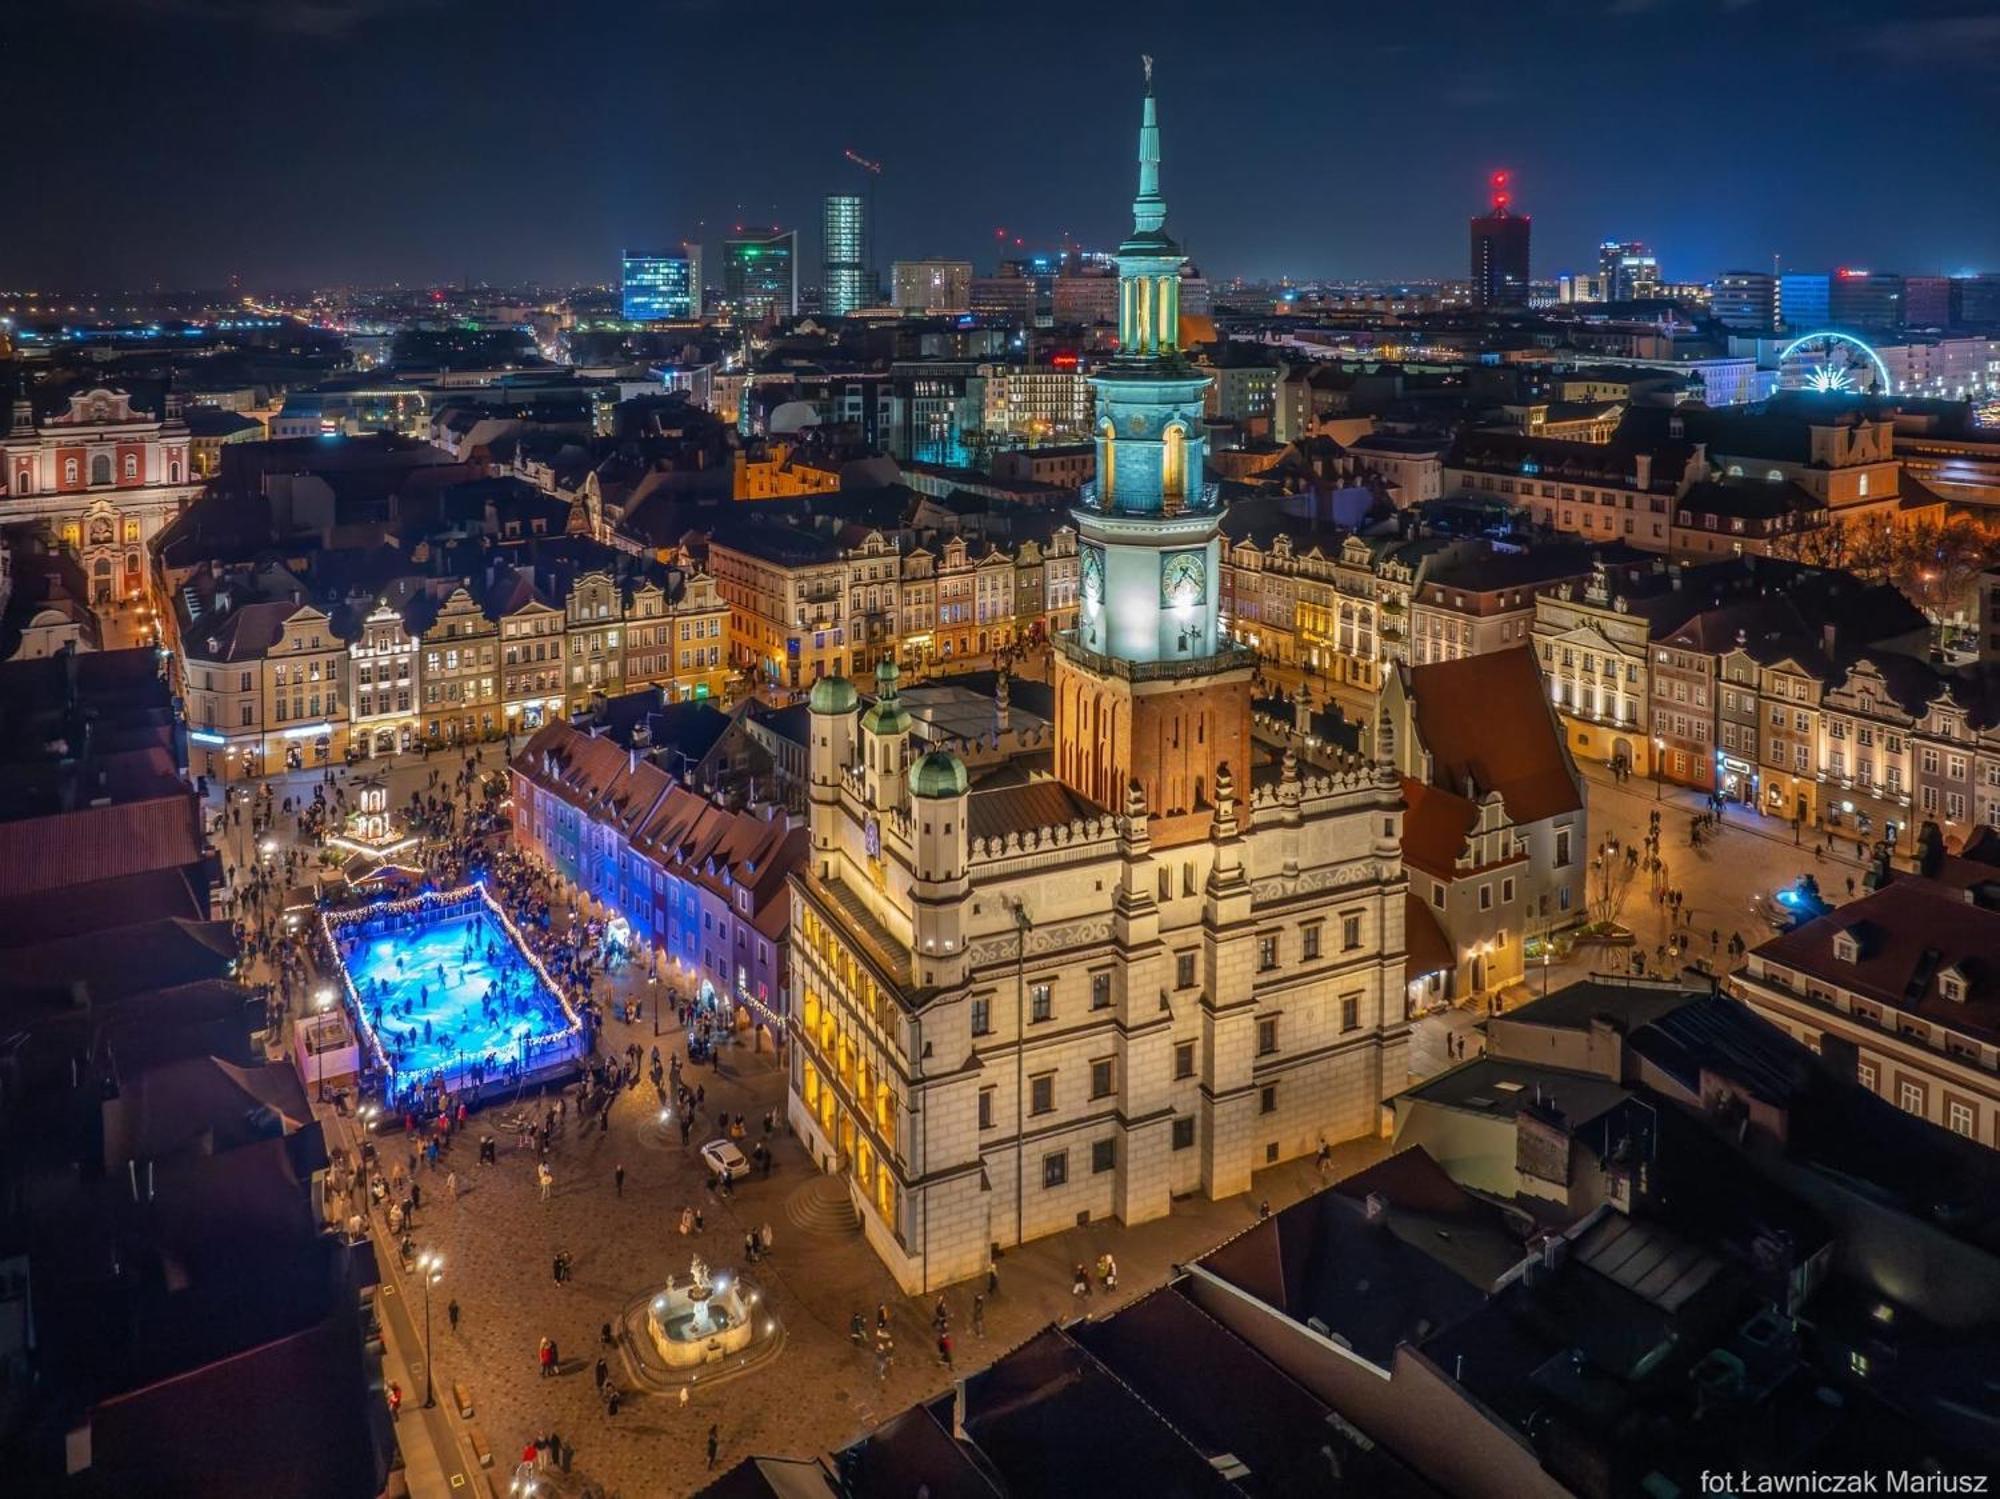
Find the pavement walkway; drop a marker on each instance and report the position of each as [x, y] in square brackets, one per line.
[499, 1242]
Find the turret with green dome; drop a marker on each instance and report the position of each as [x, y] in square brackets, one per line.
[888, 716]
[939, 774]
[834, 695]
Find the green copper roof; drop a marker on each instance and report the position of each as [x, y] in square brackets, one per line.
[940, 773]
[834, 695]
[888, 716]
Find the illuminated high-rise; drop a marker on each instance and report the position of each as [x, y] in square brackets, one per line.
[846, 283]
[1500, 252]
[662, 285]
[760, 273]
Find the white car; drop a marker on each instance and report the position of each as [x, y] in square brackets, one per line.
[725, 1159]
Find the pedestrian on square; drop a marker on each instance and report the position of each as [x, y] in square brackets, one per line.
[684, 1397]
[618, 1179]
[451, 1314]
[765, 1239]
[697, 1222]
[944, 1348]
[941, 1315]
[600, 1371]
[978, 1315]
[547, 1356]
[1079, 1281]
[714, 1441]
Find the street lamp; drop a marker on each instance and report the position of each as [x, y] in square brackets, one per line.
[1659, 753]
[653, 1000]
[431, 1266]
[322, 1002]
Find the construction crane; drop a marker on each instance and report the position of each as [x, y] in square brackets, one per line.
[874, 171]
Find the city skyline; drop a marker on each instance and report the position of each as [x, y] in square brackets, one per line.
[1373, 179]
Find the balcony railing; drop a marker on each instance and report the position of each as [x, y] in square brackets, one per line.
[1228, 657]
[1203, 499]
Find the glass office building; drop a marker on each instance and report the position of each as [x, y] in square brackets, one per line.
[662, 286]
[846, 284]
[760, 273]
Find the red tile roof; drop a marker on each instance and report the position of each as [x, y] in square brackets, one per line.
[1487, 719]
[1435, 825]
[1908, 933]
[99, 843]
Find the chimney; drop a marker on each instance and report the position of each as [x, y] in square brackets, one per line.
[1829, 636]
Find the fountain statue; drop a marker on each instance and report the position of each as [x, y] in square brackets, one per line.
[701, 1322]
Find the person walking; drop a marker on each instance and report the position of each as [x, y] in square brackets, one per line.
[944, 1347]
[714, 1442]
[547, 1179]
[618, 1179]
[684, 1397]
[600, 1371]
[451, 1313]
[547, 1355]
[978, 1315]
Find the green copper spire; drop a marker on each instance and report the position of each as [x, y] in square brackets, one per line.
[1149, 209]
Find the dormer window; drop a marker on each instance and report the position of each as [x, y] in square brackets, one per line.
[1847, 947]
[1951, 984]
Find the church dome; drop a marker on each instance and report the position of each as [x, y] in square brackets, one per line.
[938, 774]
[834, 695]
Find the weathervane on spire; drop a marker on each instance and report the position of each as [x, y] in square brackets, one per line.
[1146, 61]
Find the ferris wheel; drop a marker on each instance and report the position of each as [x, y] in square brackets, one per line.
[1832, 364]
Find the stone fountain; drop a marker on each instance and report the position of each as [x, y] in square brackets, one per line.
[701, 1322]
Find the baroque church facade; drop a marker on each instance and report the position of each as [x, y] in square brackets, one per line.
[104, 476]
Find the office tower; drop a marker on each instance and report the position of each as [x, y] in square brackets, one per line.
[1975, 301]
[846, 284]
[1926, 301]
[1629, 270]
[931, 286]
[1803, 302]
[1500, 252]
[760, 273]
[1747, 300]
[1865, 299]
[659, 285]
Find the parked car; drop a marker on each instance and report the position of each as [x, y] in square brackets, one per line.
[725, 1160]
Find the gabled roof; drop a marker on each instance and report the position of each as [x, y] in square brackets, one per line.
[1436, 824]
[1906, 935]
[99, 843]
[1485, 723]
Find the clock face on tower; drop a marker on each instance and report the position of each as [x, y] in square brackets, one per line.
[1093, 573]
[1184, 579]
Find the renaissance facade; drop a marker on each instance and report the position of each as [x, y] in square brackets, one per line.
[1043, 979]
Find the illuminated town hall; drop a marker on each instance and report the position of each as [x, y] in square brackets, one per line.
[1064, 969]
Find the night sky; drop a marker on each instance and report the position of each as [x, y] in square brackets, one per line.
[295, 142]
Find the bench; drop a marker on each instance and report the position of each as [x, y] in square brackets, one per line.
[461, 1398]
[480, 1450]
